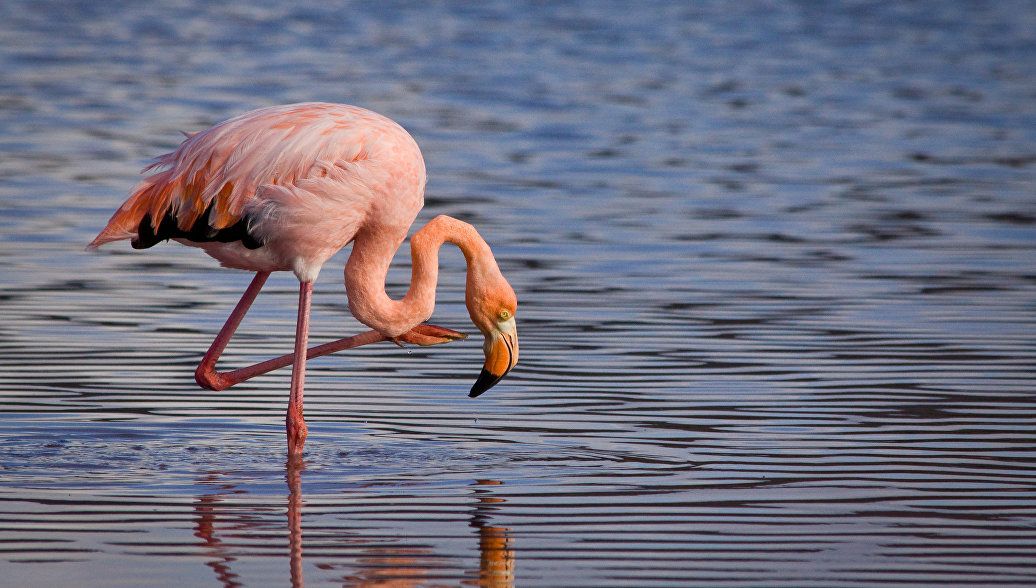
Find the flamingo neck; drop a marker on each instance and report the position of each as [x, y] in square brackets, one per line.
[368, 266]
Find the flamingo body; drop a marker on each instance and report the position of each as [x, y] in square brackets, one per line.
[286, 187]
[279, 188]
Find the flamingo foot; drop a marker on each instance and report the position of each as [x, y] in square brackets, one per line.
[425, 334]
[297, 431]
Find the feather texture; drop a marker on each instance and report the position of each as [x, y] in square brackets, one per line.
[303, 165]
[284, 188]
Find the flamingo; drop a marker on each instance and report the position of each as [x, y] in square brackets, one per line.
[284, 188]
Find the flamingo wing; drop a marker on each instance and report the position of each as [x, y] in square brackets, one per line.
[205, 190]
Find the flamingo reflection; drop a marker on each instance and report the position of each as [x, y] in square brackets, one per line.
[381, 566]
[293, 476]
[212, 513]
[496, 561]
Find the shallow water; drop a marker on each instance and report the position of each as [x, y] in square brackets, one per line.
[776, 267]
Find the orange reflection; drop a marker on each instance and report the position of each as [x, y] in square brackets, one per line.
[379, 567]
[293, 476]
[496, 557]
[205, 529]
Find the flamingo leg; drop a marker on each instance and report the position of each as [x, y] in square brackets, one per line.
[210, 379]
[295, 424]
[206, 374]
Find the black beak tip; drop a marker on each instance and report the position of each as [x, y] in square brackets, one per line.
[485, 381]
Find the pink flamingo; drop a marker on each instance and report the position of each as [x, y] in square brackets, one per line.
[284, 188]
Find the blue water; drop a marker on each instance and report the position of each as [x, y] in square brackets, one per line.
[776, 267]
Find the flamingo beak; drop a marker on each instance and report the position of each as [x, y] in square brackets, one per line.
[501, 349]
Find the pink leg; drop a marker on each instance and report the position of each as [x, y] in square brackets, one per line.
[295, 424]
[206, 374]
[210, 379]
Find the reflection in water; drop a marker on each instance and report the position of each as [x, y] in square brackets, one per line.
[377, 566]
[494, 544]
[293, 468]
[776, 265]
[204, 529]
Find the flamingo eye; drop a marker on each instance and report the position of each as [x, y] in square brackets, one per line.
[504, 315]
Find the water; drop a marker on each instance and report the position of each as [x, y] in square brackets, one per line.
[776, 265]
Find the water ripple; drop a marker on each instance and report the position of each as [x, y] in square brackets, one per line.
[776, 282]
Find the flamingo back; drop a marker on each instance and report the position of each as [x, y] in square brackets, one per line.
[239, 180]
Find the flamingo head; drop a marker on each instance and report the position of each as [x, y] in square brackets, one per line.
[491, 305]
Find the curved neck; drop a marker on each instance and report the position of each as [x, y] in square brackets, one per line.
[368, 266]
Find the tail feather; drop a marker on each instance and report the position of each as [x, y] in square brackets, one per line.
[156, 211]
[153, 199]
[150, 197]
[124, 224]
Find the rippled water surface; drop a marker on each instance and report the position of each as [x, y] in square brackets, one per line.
[776, 265]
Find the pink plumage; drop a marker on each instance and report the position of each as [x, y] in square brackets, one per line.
[304, 177]
[285, 188]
